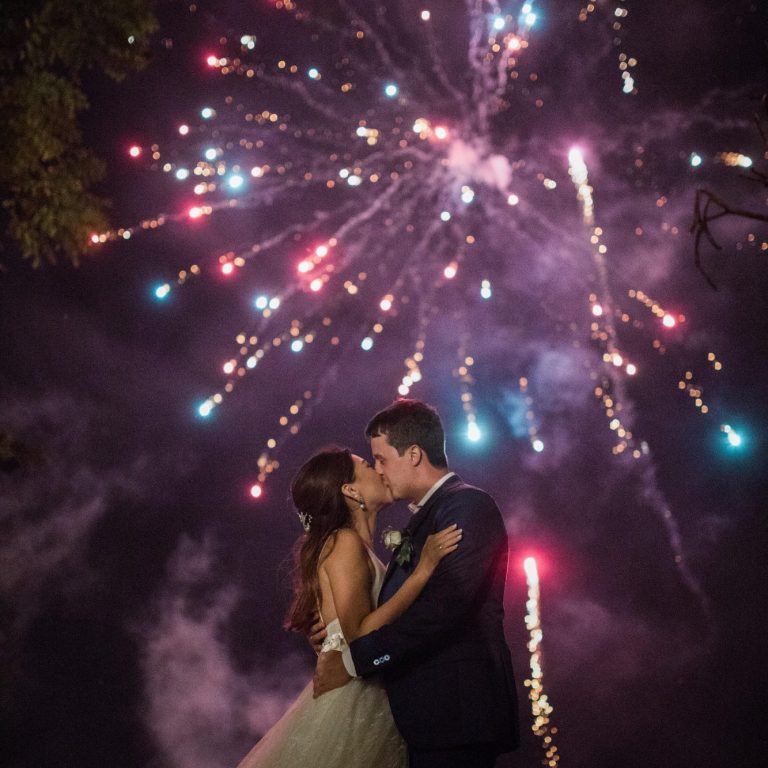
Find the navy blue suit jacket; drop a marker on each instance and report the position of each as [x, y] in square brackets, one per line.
[445, 663]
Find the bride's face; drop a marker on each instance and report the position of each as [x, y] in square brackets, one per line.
[370, 485]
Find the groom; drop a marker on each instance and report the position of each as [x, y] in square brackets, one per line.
[444, 663]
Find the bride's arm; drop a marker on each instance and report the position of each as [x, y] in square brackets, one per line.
[347, 569]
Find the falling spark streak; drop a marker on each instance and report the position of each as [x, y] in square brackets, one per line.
[541, 708]
[613, 384]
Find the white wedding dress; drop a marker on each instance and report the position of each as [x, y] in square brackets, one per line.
[349, 727]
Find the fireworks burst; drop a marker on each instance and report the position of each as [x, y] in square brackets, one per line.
[383, 155]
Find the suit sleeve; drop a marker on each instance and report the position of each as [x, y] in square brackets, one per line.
[453, 592]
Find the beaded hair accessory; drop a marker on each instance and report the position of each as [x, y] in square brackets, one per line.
[305, 518]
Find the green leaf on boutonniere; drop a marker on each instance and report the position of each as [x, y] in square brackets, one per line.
[404, 552]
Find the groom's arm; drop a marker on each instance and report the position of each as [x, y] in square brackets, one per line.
[453, 592]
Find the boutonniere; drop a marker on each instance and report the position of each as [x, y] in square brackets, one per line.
[400, 543]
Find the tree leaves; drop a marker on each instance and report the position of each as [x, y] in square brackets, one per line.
[46, 172]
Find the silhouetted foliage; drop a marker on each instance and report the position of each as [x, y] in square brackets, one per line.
[46, 172]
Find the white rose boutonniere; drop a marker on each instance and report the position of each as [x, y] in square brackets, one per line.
[400, 543]
[392, 539]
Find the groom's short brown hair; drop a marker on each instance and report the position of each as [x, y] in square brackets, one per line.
[410, 422]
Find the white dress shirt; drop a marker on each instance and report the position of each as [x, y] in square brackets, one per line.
[428, 495]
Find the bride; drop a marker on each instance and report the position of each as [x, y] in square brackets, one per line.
[338, 496]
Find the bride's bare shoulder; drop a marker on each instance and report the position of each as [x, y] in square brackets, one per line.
[344, 545]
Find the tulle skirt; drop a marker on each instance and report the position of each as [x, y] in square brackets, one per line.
[349, 727]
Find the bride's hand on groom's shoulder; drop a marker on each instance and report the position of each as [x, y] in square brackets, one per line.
[437, 546]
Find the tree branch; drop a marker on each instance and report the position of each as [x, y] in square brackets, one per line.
[708, 207]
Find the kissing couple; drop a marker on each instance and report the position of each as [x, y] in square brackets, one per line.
[413, 668]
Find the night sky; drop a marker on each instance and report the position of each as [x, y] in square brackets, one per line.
[142, 587]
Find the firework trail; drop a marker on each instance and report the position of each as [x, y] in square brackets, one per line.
[541, 708]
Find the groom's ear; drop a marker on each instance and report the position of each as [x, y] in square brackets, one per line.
[415, 455]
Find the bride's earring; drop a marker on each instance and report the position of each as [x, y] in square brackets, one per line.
[354, 495]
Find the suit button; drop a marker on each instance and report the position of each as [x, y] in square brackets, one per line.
[386, 657]
[376, 662]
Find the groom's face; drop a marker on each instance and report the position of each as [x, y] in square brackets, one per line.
[396, 471]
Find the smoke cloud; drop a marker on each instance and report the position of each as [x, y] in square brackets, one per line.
[201, 710]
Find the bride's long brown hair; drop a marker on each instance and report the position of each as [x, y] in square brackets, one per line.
[316, 491]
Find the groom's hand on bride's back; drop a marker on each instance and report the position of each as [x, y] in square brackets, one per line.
[317, 634]
[330, 673]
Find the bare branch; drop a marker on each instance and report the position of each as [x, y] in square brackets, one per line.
[708, 207]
